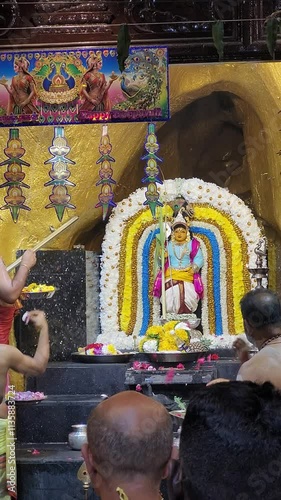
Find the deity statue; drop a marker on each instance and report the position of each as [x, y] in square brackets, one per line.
[183, 261]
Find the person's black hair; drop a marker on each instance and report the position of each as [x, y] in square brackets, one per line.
[180, 224]
[230, 445]
[261, 307]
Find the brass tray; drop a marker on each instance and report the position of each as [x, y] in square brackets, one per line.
[175, 357]
[111, 358]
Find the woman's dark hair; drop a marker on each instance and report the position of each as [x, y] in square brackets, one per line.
[231, 442]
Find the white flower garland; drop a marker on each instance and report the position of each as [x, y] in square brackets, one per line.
[193, 190]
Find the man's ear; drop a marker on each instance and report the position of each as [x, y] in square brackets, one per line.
[91, 467]
[87, 455]
[174, 480]
[246, 326]
[169, 467]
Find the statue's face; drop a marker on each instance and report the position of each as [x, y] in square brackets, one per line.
[180, 234]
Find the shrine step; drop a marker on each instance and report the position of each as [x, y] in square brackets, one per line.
[50, 473]
[80, 378]
[50, 420]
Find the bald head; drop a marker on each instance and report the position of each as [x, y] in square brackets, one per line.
[261, 309]
[131, 413]
[131, 434]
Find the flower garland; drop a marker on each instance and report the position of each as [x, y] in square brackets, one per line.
[143, 269]
[227, 209]
[234, 247]
[207, 302]
[214, 258]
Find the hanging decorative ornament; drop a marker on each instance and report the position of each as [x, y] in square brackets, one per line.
[152, 171]
[106, 195]
[218, 34]
[60, 198]
[14, 175]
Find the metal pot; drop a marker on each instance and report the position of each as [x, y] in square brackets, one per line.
[78, 436]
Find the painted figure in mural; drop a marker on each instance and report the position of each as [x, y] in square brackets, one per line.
[142, 79]
[95, 87]
[22, 91]
[184, 259]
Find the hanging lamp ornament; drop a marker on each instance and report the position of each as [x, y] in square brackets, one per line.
[106, 196]
[272, 26]
[14, 199]
[151, 169]
[123, 45]
[60, 198]
[218, 35]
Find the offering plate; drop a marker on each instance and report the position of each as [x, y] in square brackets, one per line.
[175, 357]
[38, 295]
[112, 358]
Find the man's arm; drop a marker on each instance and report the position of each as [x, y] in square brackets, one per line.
[26, 364]
[10, 289]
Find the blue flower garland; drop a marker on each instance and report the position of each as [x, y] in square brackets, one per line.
[145, 281]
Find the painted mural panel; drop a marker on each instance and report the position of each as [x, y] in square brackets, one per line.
[83, 86]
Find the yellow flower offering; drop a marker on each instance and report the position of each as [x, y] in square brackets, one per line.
[35, 288]
[111, 349]
[170, 325]
[154, 331]
[168, 338]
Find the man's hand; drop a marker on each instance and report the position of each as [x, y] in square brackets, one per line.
[38, 318]
[217, 381]
[29, 259]
[242, 350]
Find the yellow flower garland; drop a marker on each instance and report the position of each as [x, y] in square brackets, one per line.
[236, 244]
[235, 247]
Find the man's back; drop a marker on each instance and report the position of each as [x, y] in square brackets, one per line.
[265, 366]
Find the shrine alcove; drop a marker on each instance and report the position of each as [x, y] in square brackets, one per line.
[205, 139]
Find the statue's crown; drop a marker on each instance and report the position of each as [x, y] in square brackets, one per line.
[180, 220]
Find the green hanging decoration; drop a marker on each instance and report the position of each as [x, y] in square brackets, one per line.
[59, 174]
[123, 45]
[14, 175]
[271, 31]
[218, 34]
[152, 170]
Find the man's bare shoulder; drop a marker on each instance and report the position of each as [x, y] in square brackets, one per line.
[261, 366]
